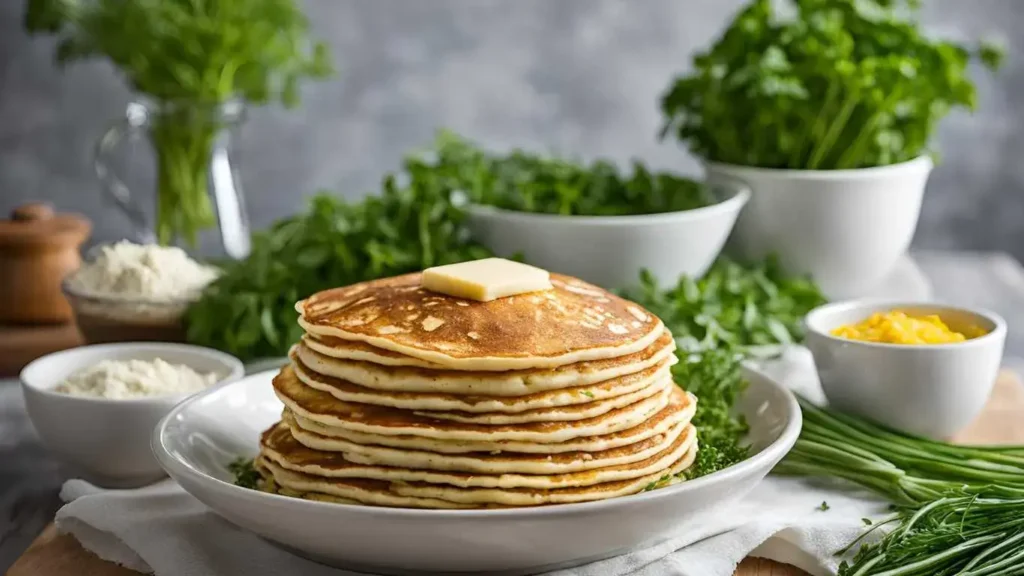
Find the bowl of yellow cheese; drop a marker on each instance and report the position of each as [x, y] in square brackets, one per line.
[926, 369]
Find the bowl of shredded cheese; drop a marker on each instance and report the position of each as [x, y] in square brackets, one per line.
[127, 292]
[95, 407]
[923, 368]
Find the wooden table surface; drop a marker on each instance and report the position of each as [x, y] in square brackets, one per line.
[30, 479]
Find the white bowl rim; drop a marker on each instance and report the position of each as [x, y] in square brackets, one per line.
[774, 451]
[813, 319]
[739, 195]
[236, 370]
[923, 162]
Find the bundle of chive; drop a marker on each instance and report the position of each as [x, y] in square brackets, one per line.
[958, 510]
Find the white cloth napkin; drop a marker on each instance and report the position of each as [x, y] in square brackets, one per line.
[163, 530]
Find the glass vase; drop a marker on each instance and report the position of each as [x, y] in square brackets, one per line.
[196, 184]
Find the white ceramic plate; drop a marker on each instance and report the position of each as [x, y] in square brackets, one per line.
[199, 437]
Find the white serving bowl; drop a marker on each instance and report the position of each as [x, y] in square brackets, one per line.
[107, 441]
[847, 229]
[610, 251]
[931, 390]
[197, 440]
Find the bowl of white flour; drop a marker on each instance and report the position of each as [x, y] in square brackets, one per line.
[95, 407]
[136, 292]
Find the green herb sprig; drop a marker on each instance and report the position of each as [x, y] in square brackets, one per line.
[244, 472]
[733, 306]
[959, 509]
[189, 57]
[529, 182]
[249, 311]
[840, 84]
[716, 320]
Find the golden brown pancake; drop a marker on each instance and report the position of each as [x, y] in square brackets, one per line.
[423, 494]
[486, 462]
[362, 491]
[347, 391]
[278, 446]
[555, 406]
[321, 407]
[536, 497]
[573, 322]
[479, 383]
[680, 408]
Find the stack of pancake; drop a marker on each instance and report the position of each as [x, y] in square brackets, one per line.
[399, 396]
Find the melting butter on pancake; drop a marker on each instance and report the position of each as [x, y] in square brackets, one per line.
[338, 360]
[321, 407]
[278, 446]
[485, 462]
[680, 408]
[438, 401]
[573, 322]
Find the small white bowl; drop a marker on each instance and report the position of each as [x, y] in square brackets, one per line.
[107, 441]
[610, 251]
[931, 390]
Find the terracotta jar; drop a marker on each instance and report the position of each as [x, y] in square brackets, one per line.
[38, 249]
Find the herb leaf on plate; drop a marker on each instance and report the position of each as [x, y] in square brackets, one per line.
[716, 320]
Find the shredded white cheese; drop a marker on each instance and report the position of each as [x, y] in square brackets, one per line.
[143, 271]
[126, 379]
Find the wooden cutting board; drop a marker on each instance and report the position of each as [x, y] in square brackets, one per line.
[1002, 422]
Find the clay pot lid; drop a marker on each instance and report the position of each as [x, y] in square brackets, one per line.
[37, 224]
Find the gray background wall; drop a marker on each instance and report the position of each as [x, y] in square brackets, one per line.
[580, 77]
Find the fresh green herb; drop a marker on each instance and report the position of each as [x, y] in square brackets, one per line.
[716, 320]
[587, 393]
[715, 377]
[190, 57]
[732, 306]
[824, 506]
[838, 84]
[244, 472]
[959, 509]
[249, 311]
[529, 182]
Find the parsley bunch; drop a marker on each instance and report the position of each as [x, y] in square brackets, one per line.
[189, 57]
[716, 320]
[840, 84]
[249, 311]
[528, 182]
[733, 306]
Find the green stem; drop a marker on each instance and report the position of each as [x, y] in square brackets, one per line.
[184, 149]
[834, 130]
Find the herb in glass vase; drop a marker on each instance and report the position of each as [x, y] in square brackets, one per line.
[196, 63]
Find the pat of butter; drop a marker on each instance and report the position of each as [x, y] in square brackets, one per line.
[485, 280]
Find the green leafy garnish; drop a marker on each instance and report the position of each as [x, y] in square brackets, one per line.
[716, 379]
[821, 84]
[732, 306]
[250, 310]
[245, 473]
[528, 182]
[715, 320]
[188, 57]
